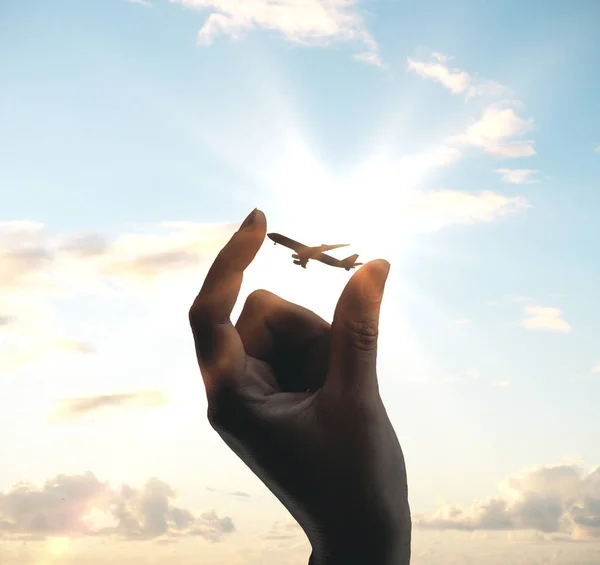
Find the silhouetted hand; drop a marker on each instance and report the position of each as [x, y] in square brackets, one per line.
[297, 399]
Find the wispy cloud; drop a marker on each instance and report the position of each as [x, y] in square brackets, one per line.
[71, 407]
[432, 210]
[455, 79]
[495, 133]
[597, 149]
[31, 259]
[562, 500]
[140, 2]
[596, 368]
[545, 319]
[318, 22]
[37, 266]
[518, 176]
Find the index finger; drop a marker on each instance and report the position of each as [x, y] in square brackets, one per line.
[214, 334]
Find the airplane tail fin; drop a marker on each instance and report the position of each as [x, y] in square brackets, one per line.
[350, 262]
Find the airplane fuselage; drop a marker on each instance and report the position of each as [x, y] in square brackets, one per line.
[303, 253]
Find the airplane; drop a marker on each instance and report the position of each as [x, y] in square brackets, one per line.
[304, 253]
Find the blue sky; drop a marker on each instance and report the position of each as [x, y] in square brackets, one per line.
[460, 141]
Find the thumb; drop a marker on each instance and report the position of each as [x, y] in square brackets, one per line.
[353, 346]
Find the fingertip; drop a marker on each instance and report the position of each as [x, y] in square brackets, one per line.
[378, 267]
[249, 238]
[371, 278]
[255, 222]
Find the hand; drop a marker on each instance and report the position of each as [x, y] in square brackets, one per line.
[297, 400]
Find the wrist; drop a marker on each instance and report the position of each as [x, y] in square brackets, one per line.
[364, 555]
[363, 549]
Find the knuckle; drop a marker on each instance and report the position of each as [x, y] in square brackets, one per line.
[220, 405]
[364, 333]
[228, 408]
[259, 302]
[259, 297]
[199, 319]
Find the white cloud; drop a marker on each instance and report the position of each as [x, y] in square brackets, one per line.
[36, 267]
[317, 22]
[545, 319]
[71, 407]
[456, 80]
[597, 149]
[495, 131]
[518, 176]
[431, 210]
[33, 260]
[441, 57]
[561, 500]
[370, 57]
[82, 505]
[596, 368]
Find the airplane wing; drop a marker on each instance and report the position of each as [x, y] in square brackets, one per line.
[330, 247]
[328, 260]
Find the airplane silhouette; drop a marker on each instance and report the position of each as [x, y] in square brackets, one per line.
[304, 253]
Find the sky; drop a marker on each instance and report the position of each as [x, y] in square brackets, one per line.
[460, 141]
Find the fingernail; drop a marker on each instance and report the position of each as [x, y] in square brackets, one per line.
[249, 219]
[374, 283]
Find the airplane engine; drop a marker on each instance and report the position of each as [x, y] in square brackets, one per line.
[300, 263]
[296, 256]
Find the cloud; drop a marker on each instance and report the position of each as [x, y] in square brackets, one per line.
[495, 131]
[545, 319]
[82, 505]
[456, 80]
[441, 57]
[85, 405]
[28, 343]
[281, 531]
[596, 368]
[37, 267]
[318, 22]
[501, 384]
[140, 2]
[518, 176]
[561, 500]
[432, 210]
[6, 321]
[597, 149]
[32, 259]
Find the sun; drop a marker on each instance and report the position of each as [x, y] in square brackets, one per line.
[367, 208]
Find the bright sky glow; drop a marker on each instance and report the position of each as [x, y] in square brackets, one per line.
[459, 141]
